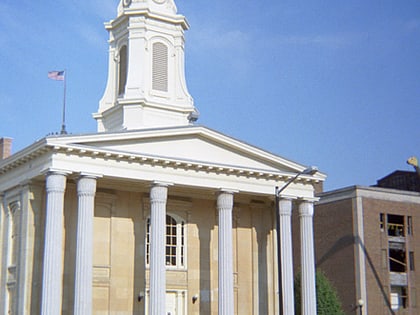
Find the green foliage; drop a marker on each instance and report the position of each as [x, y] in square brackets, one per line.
[328, 302]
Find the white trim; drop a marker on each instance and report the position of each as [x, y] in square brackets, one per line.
[179, 220]
[359, 257]
[386, 194]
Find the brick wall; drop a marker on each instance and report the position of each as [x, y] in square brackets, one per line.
[334, 248]
[5, 148]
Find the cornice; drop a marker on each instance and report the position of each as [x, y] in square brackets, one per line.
[190, 130]
[105, 154]
[176, 19]
[378, 193]
[144, 159]
[60, 144]
[22, 157]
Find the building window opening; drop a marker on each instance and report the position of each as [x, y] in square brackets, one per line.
[175, 242]
[397, 258]
[411, 259]
[399, 297]
[381, 221]
[395, 225]
[410, 225]
[171, 241]
[122, 70]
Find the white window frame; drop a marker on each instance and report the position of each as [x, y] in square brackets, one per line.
[181, 241]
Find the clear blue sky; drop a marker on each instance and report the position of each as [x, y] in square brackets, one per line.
[329, 83]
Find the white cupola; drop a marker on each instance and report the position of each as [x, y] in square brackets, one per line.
[146, 85]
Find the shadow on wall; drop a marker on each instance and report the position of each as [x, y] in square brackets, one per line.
[350, 240]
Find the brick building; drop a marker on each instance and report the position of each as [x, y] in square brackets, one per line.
[365, 244]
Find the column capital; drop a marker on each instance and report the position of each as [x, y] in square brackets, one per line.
[86, 185]
[56, 182]
[90, 175]
[158, 193]
[56, 171]
[308, 199]
[227, 191]
[161, 184]
[285, 206]
[306, 208]
[286, 197]
[225, 200]
[14, 206]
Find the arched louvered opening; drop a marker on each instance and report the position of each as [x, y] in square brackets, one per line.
[160, 67]
[122, 70]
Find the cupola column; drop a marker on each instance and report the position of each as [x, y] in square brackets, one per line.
[52, 285]
[226, 294]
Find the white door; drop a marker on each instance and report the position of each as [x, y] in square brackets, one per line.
[171, 303]
[175, 303]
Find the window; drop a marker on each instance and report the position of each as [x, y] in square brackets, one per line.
[381, 221]
[399, 297]
[122, 70]
[410, 225]
[175, 242]
[411, 259]
[395, 225]
[160, 67]
[397, 257]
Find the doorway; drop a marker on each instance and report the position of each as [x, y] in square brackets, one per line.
[175, 303]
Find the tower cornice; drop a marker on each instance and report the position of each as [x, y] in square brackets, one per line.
[176, 19]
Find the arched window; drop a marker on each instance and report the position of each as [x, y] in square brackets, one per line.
[175, 242]
[160, 67]
[122, 70]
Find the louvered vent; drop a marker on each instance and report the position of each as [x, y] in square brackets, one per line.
[160, 67]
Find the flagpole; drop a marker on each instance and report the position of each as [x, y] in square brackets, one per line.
[63, 124]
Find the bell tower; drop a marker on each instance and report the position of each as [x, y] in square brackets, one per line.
[146, 85]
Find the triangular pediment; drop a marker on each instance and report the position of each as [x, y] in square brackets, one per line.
[188, 144]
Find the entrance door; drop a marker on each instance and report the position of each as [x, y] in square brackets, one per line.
[175, 303]
[171, 304]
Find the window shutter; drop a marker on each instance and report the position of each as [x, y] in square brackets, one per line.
[160, 67]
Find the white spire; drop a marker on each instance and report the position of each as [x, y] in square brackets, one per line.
[146, 80]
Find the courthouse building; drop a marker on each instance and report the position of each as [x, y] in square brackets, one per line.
[152, 214]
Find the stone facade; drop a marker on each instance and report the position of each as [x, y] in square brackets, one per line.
[121, 276]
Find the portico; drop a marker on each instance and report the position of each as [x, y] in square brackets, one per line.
[152, 214]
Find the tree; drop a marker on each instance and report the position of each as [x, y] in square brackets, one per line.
[327, 299]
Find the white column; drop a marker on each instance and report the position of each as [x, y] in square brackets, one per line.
[286, 256]
[158, 198]
[226, 294]
[306, 212]
[86, 188]
[53, 256]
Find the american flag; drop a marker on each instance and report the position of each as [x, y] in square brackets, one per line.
[56, 75]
